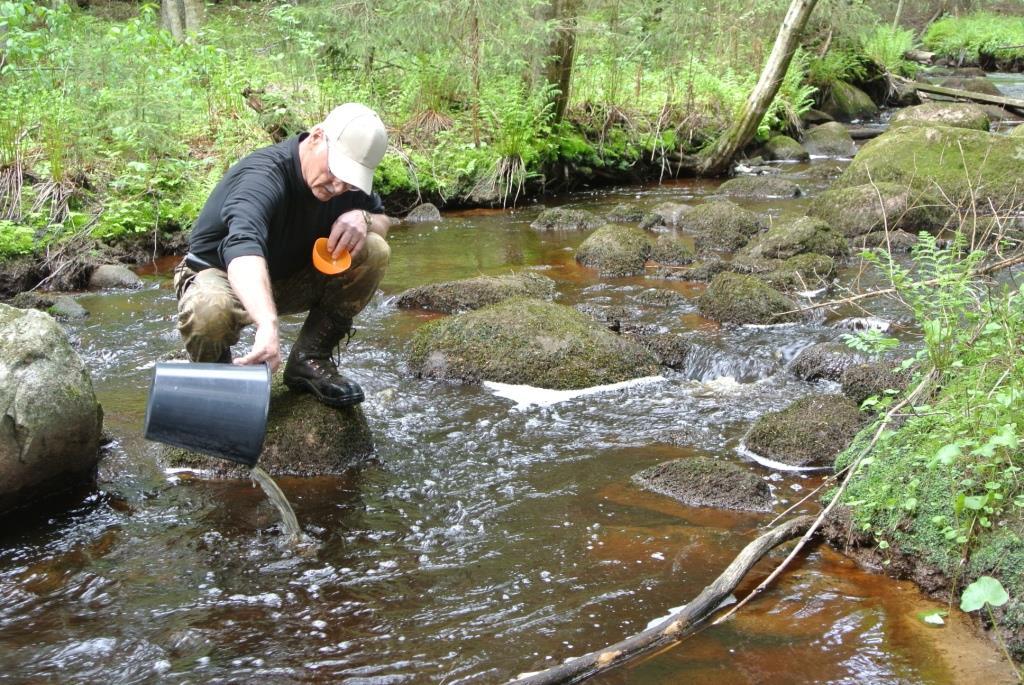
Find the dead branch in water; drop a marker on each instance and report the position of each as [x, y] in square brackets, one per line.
[679, 624]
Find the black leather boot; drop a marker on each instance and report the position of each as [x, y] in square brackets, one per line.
[310, 367]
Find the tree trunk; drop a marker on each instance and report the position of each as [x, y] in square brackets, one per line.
[743, 129]
[181, 17]
[561, 51]
[899, 12]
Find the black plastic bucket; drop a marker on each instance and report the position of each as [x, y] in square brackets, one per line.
[216, 409]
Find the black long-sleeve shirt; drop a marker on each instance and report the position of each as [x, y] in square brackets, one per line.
[263, 207]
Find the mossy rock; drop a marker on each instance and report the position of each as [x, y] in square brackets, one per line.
[625, 213]
[972, 84]
[670, 349]
[108, 276]
[829, 140]
[800, 236]
[527, 341]
[759, 188]
[955, 114]
[615, 250]
[961, 162]
[861, 381]
[566, 219]
[803, 272]
[859, 210]
[702, 271]
[809, 432]
[670, 214]
[669, 250]
[828, 361]
[422, 213]
[707, 482]
[304, 438]
[473, 293]
[784, 149]
[894, 242]
[741, 299]
[845, 102]
[722, 225]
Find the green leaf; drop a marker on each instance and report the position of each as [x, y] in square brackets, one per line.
[975, 502]
[948, 454]
[985, 590]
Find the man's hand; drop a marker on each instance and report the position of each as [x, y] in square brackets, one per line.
[266, 347]
[349, 232]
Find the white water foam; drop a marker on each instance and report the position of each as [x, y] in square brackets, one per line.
[527, 395]
[746, 453]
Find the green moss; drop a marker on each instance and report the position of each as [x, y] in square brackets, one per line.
[741, 299]
[801, 236]
[527, 341]
[721, 225]
[565, 219]
[859, 210]
[845, 102]
[474, 293]
[960, 162]
[759, 187]
[809, 432]
[957, 115]
[803, 272]
[615, 250]
[669, 250]
[784, 148]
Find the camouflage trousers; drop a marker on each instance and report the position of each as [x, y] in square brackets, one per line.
[211, 317]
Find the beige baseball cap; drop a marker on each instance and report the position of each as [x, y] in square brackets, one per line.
[356, 142]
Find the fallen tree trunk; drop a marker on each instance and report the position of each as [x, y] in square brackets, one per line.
[920, 56]
[679, 624]
[1002, 101]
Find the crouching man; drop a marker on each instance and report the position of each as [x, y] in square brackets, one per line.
[250, 252]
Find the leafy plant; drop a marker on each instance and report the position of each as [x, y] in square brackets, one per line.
[886, 47]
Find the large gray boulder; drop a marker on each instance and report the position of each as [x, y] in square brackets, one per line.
[809, 432]
[707, 482]
[51, 423]
[830, 140]
[423, 213]
[527, 341]
[956, 114]
[859, 210]
[473, 293]
[304, 438]
[114, 276]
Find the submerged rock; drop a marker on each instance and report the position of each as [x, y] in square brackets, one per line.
[845, 102]
[809, 432]
[785, 149]
[625, 213]
[803, 235]
[970, 167]
[566, 219]
[858, 210]
[707, 482]
[473, 293]
[759, 187]
[830, 140]
[722, 225]
[527, 341]
[424, 212]
[895, 242]
[956, 114]
[50, 432]
[740, 299]
[114, 276]
[861, 381]
[825, 361]
[702, 271]
[615, 250]
[304, 438]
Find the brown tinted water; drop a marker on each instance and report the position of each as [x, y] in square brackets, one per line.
[485, 540]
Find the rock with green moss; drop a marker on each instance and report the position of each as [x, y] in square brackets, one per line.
[722, 225]
[829, 140]
[970, 167]
[669, 250]
[625, 213]
[670, 349]
[956, 114]
[803, 235]
[825, 361]
[858, 210]
[893, 242]
[702, 271]
[707, 482]
[304, 438]
[50, 432]
[804, 272]
[861, 381]
[473, 293]
[972, 84]
[615, 250]
[527, 341]
[742, 299]
[809, 432]
[845, 102]
[784, 149]
[566, 219]
[759, 188]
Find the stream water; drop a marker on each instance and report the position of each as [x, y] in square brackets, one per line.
[486, 539]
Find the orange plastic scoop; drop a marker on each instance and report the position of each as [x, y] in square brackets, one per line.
[327, 264]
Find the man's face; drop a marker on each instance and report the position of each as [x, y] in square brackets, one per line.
[322, 183]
